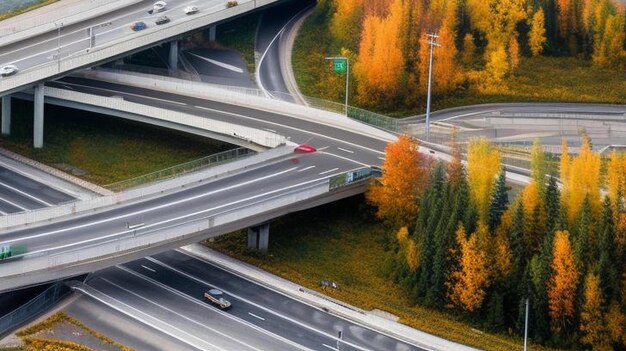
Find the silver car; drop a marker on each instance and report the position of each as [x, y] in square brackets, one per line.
[8, 70]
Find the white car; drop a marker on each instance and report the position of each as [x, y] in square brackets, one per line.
[190, 10]
[159, 6]
[8, 70]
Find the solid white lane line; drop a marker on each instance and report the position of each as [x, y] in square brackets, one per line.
[139, 212]
[328, 171]
[179, 314]
[346, 150]
[13, 204]
[131, 308]
[3, 213]
[306, 168]
[380, 158]
[206, 306]
[330, 347]
[148, 268]
[270, 130]
[218, 63]
[323, 148]
[25, 194]
[261, 307]
[255, 316]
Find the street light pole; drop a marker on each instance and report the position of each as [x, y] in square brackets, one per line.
[334, 58]
[526, 328]
[432, 43]
[59, 45]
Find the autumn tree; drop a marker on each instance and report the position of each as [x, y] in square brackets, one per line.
[592, 323]
[408, 249]
[346, 21]
[514, 52]
[581, 179]
[537, 35]
[468, 55]
[467, 284]
[402, 182]
[483, 165]
[609, 45]
[562, 284]
[380, 61]
[538, 166]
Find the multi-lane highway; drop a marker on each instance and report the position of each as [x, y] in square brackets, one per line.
[169, 287]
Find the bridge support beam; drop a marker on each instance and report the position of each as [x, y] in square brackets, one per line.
[38, 118]
[259, 237]
[6, 115]
[213, 32]
[174, 55]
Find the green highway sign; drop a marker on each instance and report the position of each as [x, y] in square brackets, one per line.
[340, 65]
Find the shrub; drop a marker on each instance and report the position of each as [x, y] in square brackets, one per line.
[231, 4]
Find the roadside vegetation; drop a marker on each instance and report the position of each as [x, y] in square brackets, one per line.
[20, 10]
[240, 35]
[447, 250]
[61, 332]
[570, 51]
[102, 149]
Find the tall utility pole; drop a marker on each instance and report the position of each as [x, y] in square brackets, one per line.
[432, 41]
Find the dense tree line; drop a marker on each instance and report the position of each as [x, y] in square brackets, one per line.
[560, 243]
[482, 41]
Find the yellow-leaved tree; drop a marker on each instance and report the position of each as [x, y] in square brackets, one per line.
[408, 249]
[403, 181]
[562, 283]
[592, 323]
[483, 165]
[467, 285]
[581, 179]
[537, 35]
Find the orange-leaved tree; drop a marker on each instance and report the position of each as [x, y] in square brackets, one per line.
[592, 322]
[483, 165]
[467, 285]
[402, 183]
[563, 282]
[537, 35]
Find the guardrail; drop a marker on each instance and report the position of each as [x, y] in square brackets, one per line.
[48, 213]
[34, 307]
[184, 168]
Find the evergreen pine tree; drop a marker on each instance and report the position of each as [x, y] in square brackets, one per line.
[553, 205]
[499, 202]
[606, 252]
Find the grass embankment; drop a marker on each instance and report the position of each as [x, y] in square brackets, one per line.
[540, 79]
[240, 35]
[19, 11]
[107, 149]
[337, 242]
[35, 338]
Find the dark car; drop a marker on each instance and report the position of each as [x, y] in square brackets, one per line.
[162, 20]
[137, 26]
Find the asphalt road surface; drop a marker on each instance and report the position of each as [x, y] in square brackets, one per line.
[19, 193]
[72, 39]
[169, 286]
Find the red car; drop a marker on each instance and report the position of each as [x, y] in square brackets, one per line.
[304, 149]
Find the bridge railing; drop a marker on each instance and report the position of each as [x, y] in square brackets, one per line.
[184, 168]
[34, 307]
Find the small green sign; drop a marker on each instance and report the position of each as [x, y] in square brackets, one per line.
[340, 65]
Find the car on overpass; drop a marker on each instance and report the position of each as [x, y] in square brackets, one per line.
[190, 10]
[8, 70]
[137, 26]
[158, 7]
[216, 297]
[162, 20]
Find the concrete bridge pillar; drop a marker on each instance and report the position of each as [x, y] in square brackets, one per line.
[6, 115]
[259, 237]
[38, 118]
[213, 32]
[174, 55]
